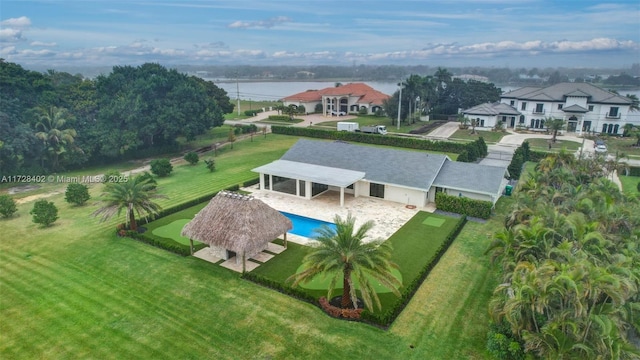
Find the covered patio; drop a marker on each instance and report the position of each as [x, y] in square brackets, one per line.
[307, 180]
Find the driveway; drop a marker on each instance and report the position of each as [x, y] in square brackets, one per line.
[444, 131]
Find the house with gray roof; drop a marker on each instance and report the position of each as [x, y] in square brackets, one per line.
[311, 167]
[584, 107]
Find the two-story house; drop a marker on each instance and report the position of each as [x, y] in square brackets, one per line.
[584, 107]
[348, 98]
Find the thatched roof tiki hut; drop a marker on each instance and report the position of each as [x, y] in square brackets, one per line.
[237, 223]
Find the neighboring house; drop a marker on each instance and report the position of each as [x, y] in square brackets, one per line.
[309, 168]
[584, 107]
[349, 98]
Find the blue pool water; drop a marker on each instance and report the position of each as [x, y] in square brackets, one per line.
[304, 226]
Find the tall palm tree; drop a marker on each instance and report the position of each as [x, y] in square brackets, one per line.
[133, 196]
[342, 253]
[56, 138]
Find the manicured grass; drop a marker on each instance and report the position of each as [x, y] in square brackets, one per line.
[414, 245]
[622, 145]
[543, 144]
[630, 184]
[75, 290]
[488, 136]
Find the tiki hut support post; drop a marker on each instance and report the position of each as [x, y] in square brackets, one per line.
[285, 240]
[191, 245]
[244, 263]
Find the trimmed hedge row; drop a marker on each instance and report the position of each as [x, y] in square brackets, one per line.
[251, 182]
[386, 319]
[279, 117]
[279, 287]
[634, 171]
[405, 142]
[462, 205]
[166, 244]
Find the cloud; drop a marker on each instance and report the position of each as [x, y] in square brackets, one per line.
[21, 22]
[262, 24]
[10, 35]
[40, 43]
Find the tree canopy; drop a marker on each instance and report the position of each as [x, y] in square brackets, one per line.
[55, 120]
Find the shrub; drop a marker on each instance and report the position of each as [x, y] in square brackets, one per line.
[161, 167]
[146, 176]
[7, 206]
[279, 117]
[111, 176]
[502, 344]
[363, 110]
[318, 108]
[638, 186]
[251, 112]
[44, 212]
[192, 158]
[462, 205]
[77, 194]
[251, 182]
[280, 287]
[211, 164]
[515, 167]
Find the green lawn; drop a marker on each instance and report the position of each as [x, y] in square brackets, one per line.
[543, 144]
[622, 145]
[488, 136]
[630, 184]
[75, 290]
[414, 245]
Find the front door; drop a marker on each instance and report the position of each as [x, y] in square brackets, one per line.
[513, 121]
[571, 126]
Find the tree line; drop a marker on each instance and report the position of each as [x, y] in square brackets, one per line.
[568, 267]
[438, 95]
[53, 121]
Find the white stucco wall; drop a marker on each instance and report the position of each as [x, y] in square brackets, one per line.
[404, 195]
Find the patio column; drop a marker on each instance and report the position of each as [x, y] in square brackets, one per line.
[297, 187]
[261, 181]
[270, 182]
[341, 196]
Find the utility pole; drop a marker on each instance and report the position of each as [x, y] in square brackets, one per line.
[399, 103]
[238, 92]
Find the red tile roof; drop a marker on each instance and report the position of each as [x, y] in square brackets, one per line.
[366, 93]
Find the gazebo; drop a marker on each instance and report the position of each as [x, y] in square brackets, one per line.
[236, 224]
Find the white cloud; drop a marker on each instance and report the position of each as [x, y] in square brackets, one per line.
[21, 22]
[10, 35]
[269, 23]
[40, 43]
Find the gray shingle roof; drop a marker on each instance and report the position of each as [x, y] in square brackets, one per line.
[558, 92]
[574, 108]
[414, 169]
[491, 109]
[473, 177]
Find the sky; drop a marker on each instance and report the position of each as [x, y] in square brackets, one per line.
[497, 33]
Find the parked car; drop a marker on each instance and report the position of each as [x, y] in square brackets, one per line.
[601, 148]
[598, 142]
[338, 113]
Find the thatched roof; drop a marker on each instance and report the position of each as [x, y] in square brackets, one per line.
[237, 222]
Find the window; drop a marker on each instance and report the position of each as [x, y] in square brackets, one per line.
[613, 112]
[302, 186]
[559, 106]
[523, 106]
[376, 190]
[590, 107]
[521, 119]
[539, 108]
[512, 102]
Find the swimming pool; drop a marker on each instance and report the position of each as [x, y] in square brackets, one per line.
[304, 226]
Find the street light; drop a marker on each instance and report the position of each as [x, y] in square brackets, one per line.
[400, 84]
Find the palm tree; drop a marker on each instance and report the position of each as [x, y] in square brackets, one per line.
[342, 253]
[133, 196]
[554, 125]
[57, 139]
[635, 102]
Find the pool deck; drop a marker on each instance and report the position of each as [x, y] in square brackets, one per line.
[388, 216]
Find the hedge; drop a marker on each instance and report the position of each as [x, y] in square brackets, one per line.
[282, 288]
[404, 142]
[465, 206]
[279, 117]
[386, 319]
[634, 171]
